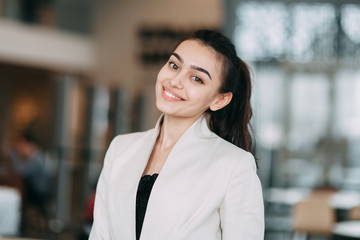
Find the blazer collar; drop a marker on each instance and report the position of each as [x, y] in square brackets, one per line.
[199, 128]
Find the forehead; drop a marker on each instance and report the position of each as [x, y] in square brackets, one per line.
[194, 52]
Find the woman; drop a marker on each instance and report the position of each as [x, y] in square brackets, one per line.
[197, 178]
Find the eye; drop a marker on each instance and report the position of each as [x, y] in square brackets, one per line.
[197, 79]
[173, 65]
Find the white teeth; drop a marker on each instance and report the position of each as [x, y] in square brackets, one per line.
[171, 95]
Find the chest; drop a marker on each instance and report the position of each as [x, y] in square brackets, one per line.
[157, 159]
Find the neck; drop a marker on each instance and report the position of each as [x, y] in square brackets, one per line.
[172, 129]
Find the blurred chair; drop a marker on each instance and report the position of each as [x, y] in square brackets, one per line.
[322, 194]
[354, 213]
[313, 217]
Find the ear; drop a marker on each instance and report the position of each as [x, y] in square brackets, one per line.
[221, 101]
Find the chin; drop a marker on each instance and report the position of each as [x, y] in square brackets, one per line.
[160, 106]
[163, 108]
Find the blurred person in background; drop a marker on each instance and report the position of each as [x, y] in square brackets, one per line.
[193, 176]
[28, 163]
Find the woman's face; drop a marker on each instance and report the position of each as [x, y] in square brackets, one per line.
[188, 84]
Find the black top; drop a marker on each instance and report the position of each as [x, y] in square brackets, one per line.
[142, 197]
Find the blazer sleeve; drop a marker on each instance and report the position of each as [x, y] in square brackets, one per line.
[242, 210]
[101, 228]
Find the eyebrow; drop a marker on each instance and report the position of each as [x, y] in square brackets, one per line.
[192, 66]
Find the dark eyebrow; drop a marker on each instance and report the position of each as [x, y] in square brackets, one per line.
[192, 66]
[178, 57]
[201, 70]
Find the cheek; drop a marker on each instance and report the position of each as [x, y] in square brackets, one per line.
[194, 93]
[159, 80]
[200, 96]
[162, 75]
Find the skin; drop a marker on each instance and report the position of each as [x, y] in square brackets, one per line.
[186, 87]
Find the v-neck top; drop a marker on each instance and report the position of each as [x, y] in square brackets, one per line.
[142, 197]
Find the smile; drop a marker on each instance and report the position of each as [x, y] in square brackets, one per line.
[170, 96]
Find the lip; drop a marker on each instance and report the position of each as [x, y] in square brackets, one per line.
[170, 96]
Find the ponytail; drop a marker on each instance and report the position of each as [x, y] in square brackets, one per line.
[232, 122]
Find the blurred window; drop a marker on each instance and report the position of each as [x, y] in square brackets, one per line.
[350, 22]
[261, 30]
[347, 85]
[296, 31]
[309, 110]
[305, 58]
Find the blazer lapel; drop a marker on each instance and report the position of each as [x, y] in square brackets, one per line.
[179, 156]
[126, 173]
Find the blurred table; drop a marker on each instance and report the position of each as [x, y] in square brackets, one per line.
[286, 196]
[347, 230]
[10, 211]
[343, 200]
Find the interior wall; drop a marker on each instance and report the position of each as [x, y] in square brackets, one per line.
[116, 37]
[27, 101]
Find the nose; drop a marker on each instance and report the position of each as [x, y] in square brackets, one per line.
[177, 81]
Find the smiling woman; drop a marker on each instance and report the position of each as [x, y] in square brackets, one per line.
[193, 176]
[188, 84]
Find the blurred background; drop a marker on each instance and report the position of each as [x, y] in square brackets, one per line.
[75, 73]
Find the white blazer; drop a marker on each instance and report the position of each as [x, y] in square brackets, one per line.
[207, 189]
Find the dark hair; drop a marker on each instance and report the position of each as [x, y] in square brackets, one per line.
[29, 136]
[232, 122]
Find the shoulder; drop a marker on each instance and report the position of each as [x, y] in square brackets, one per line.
[127, 139]
[233, 155]
[243, 202]
[220, 150]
